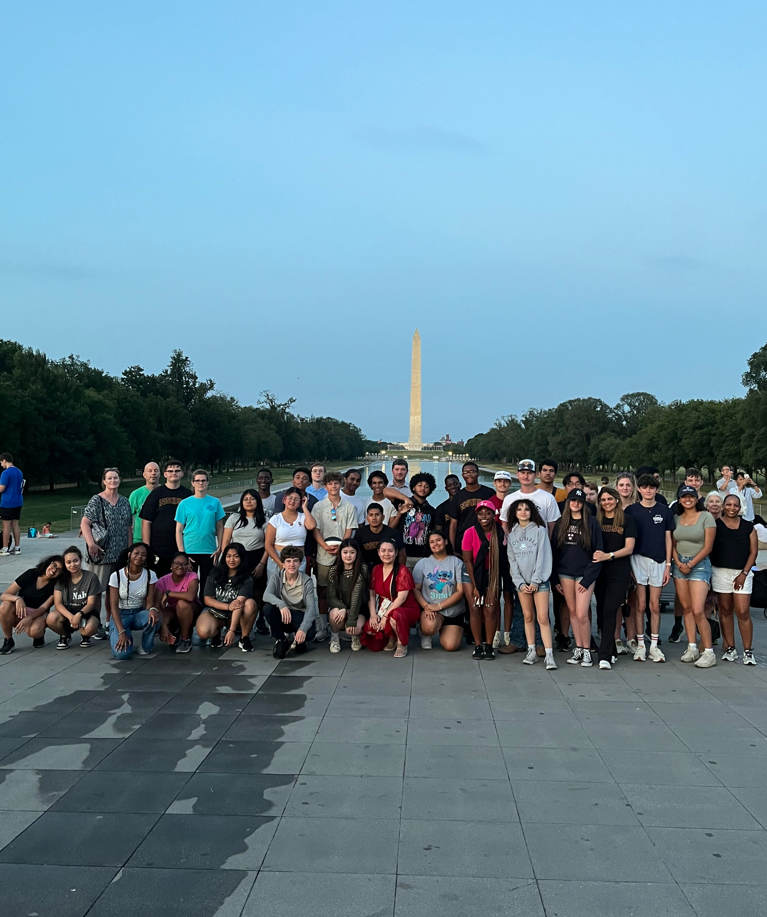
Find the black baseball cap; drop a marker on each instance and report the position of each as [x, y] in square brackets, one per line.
[688, 491]
[576, 494]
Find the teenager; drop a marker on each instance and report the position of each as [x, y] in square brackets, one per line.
[417, 518]
[530, 558]
[573, 480]
[76, 602]
[692, 478]
[352, 481]
[442, 512]
[612, 585]
[290, 604]
[25, 604]
[370, 535]
[548, 471]
[439, 591]
[502, 484]
[733, 555]
[247, 526]
[544, 501]
[200, 526]
[158, 517]
[11, 503]
[317, 486]
[378, 482]
[576, 539]
[463, 515]
[650, 563]
[592, 492]
[693, 539]
[392, 608]
[335, 522]
[655, 472]
[137, 499]
[228, 598]
[132, 600]
[300, 482]
[178, 599]
[487, 565]
[347, 595]
[264, 480]
[626, 486]
[288, 527]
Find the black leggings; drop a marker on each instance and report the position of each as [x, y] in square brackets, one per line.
[610, 597]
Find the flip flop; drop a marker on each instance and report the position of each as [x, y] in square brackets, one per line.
[400, 652]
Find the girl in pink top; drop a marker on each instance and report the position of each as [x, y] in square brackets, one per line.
[179, 603]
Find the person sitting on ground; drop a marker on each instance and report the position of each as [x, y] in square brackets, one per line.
[132, 600]
[290, 604]
[347, 594]
[25, 604]
[393, 610]
[488, 567]
[439, 591]
[76, 602]
[247, 527]
[178, 600]
[228, 598]
[47, 531]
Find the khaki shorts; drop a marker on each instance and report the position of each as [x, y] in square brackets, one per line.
[322, 571]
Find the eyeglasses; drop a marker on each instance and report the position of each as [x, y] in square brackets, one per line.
[334, 514]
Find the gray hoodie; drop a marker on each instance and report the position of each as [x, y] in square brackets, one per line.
[529, 553]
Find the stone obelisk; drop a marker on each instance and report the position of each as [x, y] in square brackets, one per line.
[414, 439]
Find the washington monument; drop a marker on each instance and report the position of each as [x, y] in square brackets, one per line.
[414, 439]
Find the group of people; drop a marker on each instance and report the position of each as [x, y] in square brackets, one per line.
[318, 562]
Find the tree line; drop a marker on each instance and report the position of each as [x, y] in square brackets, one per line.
[592, 435]
[65, 420]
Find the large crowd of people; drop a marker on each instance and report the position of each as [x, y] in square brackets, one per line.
[503, 570]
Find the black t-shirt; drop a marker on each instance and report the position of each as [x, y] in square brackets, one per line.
[370, 540]
[28, 590]
[160, 509]
[462, 508]
[652, 523]
[230, 589]
[614, 539]
[732, 546]
[441, 517]
[414, 527]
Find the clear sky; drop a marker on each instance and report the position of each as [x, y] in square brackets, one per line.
[568, 199]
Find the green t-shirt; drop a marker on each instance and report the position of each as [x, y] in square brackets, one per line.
[137, 500]
[691, 538]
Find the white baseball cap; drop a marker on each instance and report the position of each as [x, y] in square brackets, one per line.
[526, 465]
[502, 476]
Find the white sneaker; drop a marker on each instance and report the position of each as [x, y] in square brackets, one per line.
[5, 551]
[356, 645]
[497, 640]
[640, 654]
[586, 661]
[604, 664]
[335, 643]
[656, 654]
[690, 655]
[730, 655]
[426, 642]
[531, 658]
[142, 652]
[506, 637]
[748, 657]
[15, 550]
[550, 664]
[632, 646]
[613, 660]
[706, 661]
[621, 647]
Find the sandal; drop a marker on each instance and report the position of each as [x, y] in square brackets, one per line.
[400, 652]
[390, 645]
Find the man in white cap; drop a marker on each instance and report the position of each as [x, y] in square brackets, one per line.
[547, 505]
[502, 484]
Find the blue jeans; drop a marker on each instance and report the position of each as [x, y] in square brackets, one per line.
[133, 620]
[517, 629]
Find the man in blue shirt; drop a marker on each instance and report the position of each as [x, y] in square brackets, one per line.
[11, 501]
[200, 526]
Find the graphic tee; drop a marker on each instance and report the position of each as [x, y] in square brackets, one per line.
[160, 509]
[652, 523]
[199, 517]
[74, 596]
[437, 581]
[414, 527]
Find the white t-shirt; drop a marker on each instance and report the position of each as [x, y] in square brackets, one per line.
[359, 505]
[547, 505]
[132, 592]
[289, 533]
[250, 536]
[386, 504]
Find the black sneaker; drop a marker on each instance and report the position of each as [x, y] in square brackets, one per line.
[85, 642]
[63, 643]
[280, 648]
[489, 651]
[676, 632]
[245, 645]
[38, 642]
[479, 652]
[262, 627]
[563, 643]
[7, 647]
[301, 648]
[100, 634]
[215, 641]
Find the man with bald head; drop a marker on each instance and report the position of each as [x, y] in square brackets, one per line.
[137, 499]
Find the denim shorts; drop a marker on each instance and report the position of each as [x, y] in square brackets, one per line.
[546, 587]
[700, 573]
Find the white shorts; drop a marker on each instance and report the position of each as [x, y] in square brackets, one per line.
[647, 572]
[722, 579]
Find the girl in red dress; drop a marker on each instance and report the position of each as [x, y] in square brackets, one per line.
[393, 608]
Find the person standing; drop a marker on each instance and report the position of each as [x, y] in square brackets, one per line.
[11, 502]
[462, 513]
[442, 512]
[692, 478]
[335, 522]
[650, 562]
[107, 527]
[264, 480]
[373, 533]
[399, 471]
[655, 472]
[158, 517]
[726, 484]
[693, 540]
[746, 490]
[200, 526]
[316, 488]
[592, 492]
[733, 556]
[487, 566]
[288, 528]
[352, 481]
[544, 501]
[549, 470]
[378, 482]
[301, 481]
[502, 485]
[151, 475]
[416, 522]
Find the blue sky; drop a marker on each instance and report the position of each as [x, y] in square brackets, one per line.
[568, 199]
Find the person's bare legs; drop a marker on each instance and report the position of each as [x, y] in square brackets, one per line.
[568, 587]
[16, 532]
[745, 624]
[6, 533]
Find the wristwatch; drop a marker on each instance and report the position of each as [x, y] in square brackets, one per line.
[612, 555]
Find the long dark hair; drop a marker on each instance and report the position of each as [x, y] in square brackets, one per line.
[47, 561]
[66, 575]
[338, 566]
[221, 573]
[259, 517]
[393, 592]
[583, 535]
[535, 515]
